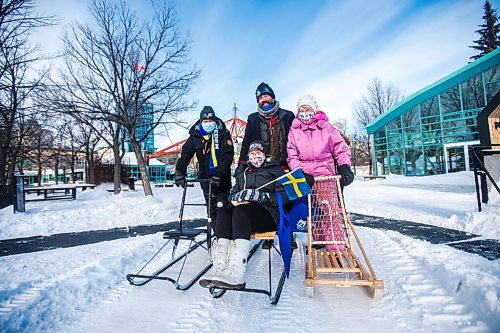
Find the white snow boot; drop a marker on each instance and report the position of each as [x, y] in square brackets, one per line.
[220, 249]
[234, 275]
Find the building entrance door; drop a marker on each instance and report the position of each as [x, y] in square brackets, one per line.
[458, 157]
[455, 160]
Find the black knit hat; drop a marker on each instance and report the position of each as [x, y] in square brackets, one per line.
[207, 113]
[258, 145]
[264, 89]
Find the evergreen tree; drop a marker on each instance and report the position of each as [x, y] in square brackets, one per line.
[489, 39]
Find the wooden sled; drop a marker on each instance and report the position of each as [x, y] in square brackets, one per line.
[330, 254]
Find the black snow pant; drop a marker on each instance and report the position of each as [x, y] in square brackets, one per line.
[219, 199]
[240, 221]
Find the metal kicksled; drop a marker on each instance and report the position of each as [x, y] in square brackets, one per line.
[196, 238]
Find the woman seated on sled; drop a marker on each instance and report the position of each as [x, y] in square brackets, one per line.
[251, 210]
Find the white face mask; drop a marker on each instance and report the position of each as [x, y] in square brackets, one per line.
[256, 158]
[306, 116]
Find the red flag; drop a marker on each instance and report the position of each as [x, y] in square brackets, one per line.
[139, 67]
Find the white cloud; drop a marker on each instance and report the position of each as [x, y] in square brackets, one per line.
[337, 53]
[428, 47]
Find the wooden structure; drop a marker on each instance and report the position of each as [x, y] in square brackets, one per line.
[331, 257]
[494, 125]
[488, 122]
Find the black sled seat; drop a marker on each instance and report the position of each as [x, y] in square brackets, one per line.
[183, 234]
[197, 237]
[274, 296]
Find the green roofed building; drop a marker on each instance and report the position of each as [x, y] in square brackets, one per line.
[430, 131]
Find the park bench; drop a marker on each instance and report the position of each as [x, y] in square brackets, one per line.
[373, 177]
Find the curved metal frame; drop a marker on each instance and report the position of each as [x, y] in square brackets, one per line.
[176, 236]
[218, 292]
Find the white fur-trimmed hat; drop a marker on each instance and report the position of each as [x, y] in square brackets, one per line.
[308, 100]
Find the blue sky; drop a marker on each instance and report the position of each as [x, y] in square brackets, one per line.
[330, 49]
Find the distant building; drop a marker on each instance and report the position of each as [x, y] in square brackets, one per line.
[144, 124]
[430, 132]
[157, 170]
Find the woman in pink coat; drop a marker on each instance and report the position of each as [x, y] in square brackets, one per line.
[315, 146]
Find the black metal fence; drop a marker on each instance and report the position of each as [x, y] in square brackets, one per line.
[486, 160]
[7, 195]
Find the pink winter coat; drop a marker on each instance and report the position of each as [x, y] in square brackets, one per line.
[314, 146]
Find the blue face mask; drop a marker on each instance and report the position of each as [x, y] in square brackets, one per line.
[209, 127]
[267, 107]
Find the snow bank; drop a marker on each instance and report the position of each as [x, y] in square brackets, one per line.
[447, 200]
[443, 200]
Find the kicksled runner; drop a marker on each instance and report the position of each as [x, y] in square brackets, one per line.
[274, 295]
[195, 237]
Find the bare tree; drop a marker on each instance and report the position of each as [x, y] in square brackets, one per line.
[378, 99]
[17, 57]
[88, 138]
[130, 73]
[39, 147]
[359, 150]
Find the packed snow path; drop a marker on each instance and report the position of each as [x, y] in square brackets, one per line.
[487, 248]
[425, 291]
[428, 286]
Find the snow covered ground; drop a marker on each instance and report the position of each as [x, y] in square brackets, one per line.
[427, 287]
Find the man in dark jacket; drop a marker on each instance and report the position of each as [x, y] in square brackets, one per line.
[270, 124]
[211, 142]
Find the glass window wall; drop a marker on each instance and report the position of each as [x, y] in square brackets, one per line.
[473, 93]
[450, 100]
[412, 144]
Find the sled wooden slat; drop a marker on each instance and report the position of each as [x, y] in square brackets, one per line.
[349, 259]
[319, 258]
[339, 257]
[264, 235]
[334, 260]
[328, 259]
[341, 269]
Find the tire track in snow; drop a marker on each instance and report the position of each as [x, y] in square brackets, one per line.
[410, 280]
[250, 312]
[51, 291]
[241, 311]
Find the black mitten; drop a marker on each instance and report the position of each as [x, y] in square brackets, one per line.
[346, 173]
[180, 179]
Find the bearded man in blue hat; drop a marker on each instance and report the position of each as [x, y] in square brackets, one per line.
[210, 140]
[270, 124]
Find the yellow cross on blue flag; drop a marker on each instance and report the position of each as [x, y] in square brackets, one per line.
[295, 184]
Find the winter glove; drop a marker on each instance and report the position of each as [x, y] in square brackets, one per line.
[255, 195]
[180, 179]
[347, 175]
[309, 179]
[249, 195]
[263, 198]
[237, 198]
[216, 180]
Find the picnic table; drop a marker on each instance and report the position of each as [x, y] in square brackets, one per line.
[56, 192]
